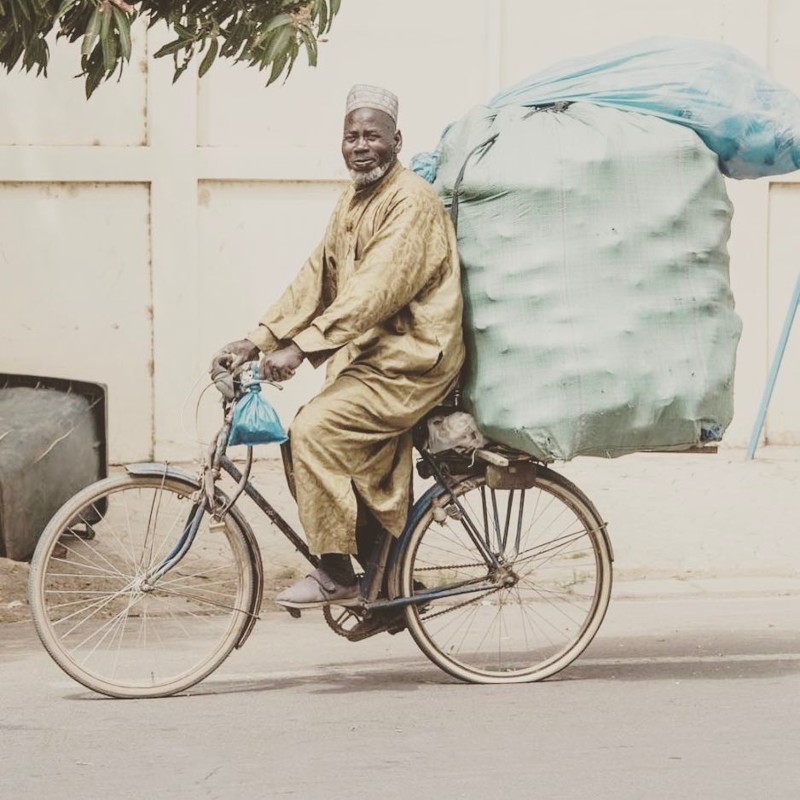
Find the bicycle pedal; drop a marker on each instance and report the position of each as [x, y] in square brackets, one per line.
[293, 612]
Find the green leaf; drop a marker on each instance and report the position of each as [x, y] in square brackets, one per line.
[208, 58]
[36, 55]
[311, 44]
[92, 32]
[277, 22]
[124, 30]
[277, 68]
[93, 68]
[65, 6]
[294, 49]
[278, 45]
[171, 47]
[108, 41]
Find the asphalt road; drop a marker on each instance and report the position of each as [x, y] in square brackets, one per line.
[682, 697]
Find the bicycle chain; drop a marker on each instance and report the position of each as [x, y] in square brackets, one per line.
[462, 604]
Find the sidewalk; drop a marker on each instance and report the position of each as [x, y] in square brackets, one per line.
[680, 525]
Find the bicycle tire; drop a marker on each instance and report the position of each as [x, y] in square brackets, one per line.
[90, 611]
[527, 631]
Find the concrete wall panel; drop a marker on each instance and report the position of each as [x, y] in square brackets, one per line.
[75, 298]
[253, 239]
[202, 198]
[55, 112]
[432, 55]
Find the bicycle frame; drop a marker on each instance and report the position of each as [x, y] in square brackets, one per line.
[375, 575]
[386, 556]
[524, 585]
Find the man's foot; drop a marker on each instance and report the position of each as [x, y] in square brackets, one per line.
[317, 589]
[392, 620]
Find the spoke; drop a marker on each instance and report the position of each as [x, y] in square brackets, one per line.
[55, 606]
[523, 618]
[97, 605]
[75, 574]
[189, 576]
[437, 548]
[86, 562]
[535, 620]
[552, 545]
[190, 596]
[550, 552]
[491, 625]
[470, 601]
[155, 505]
[119, 645]
[106, 523]
[182, 591]
[565, 601]
[107, 625]
[468, 617]
[203, 586]
[74, 591]
[455, 623]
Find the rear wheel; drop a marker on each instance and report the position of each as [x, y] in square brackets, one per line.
[101, 621]
[539, 611]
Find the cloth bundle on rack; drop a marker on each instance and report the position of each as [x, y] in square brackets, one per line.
[598, 313]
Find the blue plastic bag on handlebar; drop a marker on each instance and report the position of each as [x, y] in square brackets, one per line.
[255, 421]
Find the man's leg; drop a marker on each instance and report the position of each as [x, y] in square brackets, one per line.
[343, 452]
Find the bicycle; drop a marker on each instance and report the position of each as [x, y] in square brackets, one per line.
[143, 583]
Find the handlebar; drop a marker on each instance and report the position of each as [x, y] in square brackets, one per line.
[231, 384]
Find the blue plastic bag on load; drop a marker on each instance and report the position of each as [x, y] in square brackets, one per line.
[255, 421]
[741, 113]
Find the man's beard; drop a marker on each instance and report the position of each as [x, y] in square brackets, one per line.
[362, 179]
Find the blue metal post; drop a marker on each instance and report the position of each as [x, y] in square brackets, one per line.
[773, 374]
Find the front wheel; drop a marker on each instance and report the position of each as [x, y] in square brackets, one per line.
[533, 615]
[98, 616]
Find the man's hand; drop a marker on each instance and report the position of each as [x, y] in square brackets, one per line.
[232, 355]
[226, 360]
[281, 364]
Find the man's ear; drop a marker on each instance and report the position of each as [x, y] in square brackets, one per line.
[398, 141]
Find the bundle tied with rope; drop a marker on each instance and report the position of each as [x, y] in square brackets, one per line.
[593, 218]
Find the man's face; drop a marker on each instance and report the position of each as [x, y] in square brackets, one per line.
[370, 144]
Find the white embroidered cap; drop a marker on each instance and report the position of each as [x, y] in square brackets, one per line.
[365, 96]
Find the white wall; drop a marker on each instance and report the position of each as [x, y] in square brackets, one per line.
[145, 228]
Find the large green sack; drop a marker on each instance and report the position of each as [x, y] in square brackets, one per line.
[598, 313]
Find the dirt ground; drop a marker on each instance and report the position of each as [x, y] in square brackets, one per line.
[13, 590]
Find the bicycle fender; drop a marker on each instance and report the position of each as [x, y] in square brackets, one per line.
[156, 469]
[417, 510]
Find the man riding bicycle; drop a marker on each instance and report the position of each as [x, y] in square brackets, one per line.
[379, 300]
